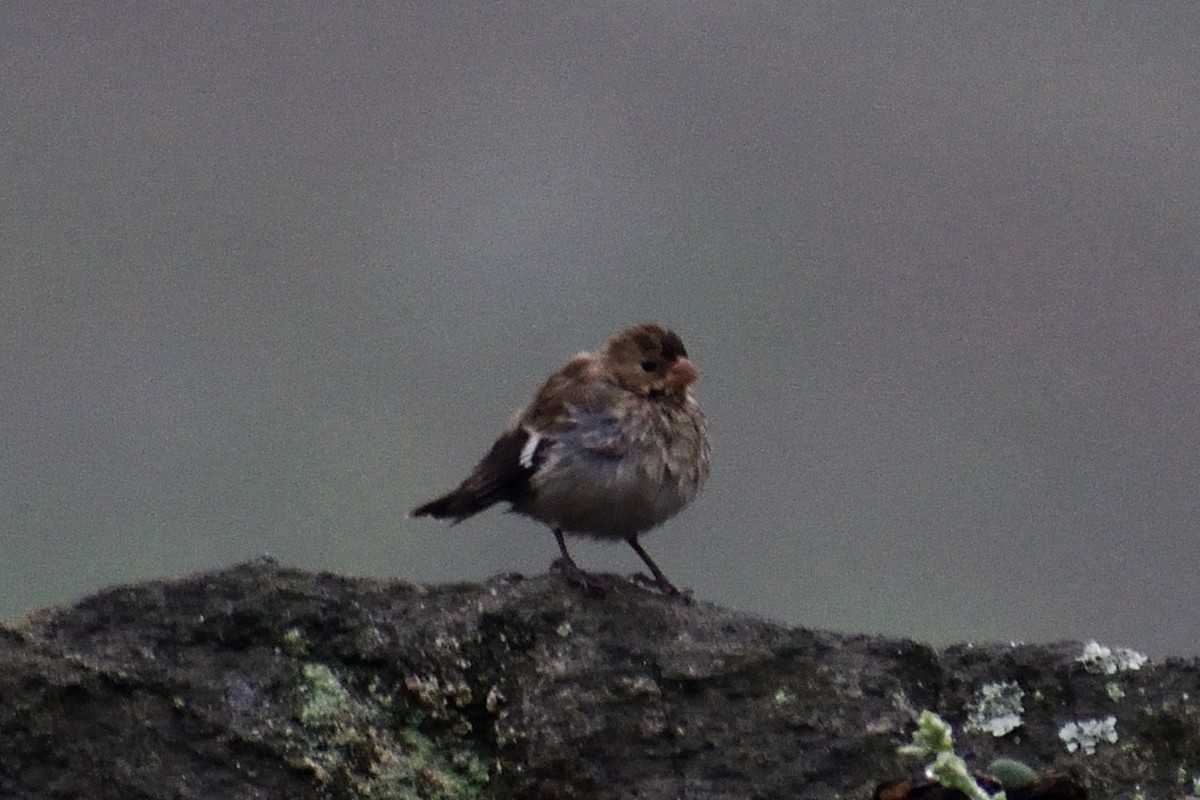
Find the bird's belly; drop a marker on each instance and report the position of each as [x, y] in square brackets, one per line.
[604, 500]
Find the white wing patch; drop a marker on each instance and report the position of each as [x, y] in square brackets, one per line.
[530, 448]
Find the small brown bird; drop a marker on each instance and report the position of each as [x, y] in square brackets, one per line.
[611, 445]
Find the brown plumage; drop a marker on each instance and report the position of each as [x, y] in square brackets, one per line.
[612, 445]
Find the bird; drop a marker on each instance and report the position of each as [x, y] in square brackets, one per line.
[611, 445]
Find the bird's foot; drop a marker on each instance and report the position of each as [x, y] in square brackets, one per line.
[576, 576]
[664, 586]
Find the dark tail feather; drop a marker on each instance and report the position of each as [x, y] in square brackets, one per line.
[457, 505]
[500, 477]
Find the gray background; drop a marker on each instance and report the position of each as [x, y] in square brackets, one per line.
[273, 273]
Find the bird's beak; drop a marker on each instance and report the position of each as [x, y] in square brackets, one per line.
[681, 374]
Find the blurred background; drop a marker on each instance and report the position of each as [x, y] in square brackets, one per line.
[274, 273]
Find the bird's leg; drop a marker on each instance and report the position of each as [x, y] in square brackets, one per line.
[664, 585]
[574, 573]
[562, 548]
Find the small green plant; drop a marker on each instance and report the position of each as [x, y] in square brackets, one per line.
[934, 737]
[1011, 772]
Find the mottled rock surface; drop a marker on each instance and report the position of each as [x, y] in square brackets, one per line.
[266, 682]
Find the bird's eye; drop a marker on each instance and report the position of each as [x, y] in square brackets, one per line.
[649, 366]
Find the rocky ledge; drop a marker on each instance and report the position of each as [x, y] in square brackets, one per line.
[266, 682]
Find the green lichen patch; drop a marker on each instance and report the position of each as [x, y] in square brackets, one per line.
[357, 741]
[1088, 734]
[324, 700]
[1104, 660]
[294, 643]
[996, 709]
[424, 768]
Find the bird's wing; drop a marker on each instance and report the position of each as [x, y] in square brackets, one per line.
[572, 414]
[580, 412]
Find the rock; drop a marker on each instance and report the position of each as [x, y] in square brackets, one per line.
[266, 682]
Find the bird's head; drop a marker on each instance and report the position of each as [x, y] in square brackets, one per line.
[651, 361]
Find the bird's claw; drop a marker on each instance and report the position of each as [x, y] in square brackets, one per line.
[575, 575]
[666, 588]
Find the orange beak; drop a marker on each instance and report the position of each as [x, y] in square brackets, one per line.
[681, 374]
